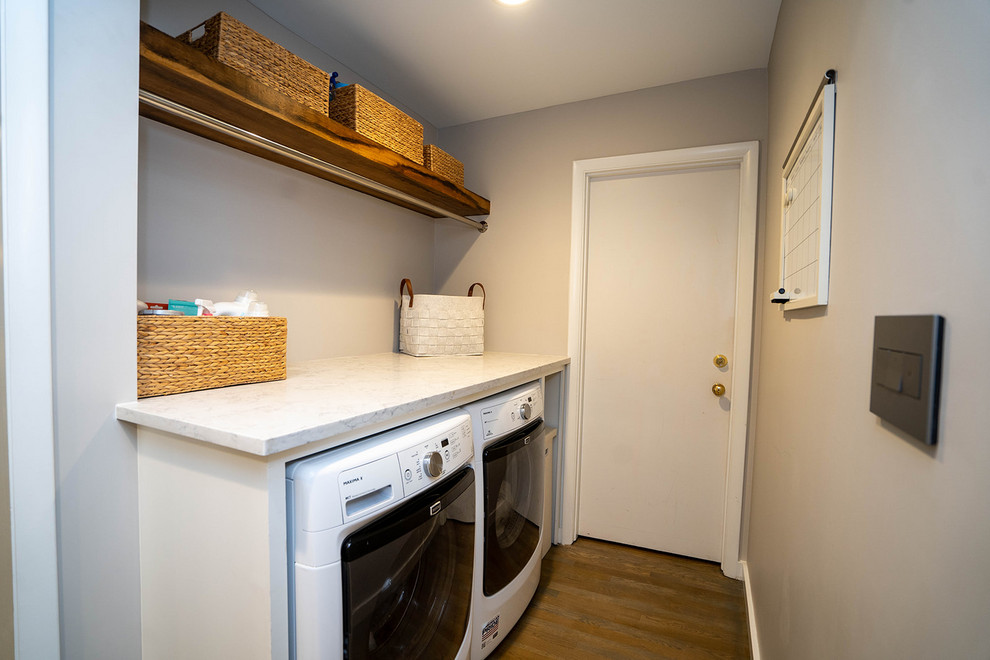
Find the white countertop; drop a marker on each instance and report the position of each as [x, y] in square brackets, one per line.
[333, 396]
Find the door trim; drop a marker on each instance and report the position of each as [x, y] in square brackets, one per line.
[25, 219]
[745, 155]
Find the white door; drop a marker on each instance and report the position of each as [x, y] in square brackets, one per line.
[660, 305]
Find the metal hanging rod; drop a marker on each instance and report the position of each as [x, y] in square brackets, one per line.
[179, 110]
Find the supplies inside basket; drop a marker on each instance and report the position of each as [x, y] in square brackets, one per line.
[433, 325]
[186, 346]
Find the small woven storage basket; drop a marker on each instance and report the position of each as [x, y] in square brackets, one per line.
[236, 45]
[361, 110]
[432, 325]
[439, 161]
[185, 353]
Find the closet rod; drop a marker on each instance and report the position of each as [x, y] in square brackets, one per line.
[179, 110]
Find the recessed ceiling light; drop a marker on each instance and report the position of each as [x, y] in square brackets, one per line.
[510, 2]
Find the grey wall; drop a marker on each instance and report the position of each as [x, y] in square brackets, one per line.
[214, 221]
[863, 543]
[6, 565]
[524, 164]
[94, 199]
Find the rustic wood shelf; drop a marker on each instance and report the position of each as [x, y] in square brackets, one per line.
[182, 87]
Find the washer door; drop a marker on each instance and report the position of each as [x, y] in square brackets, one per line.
[513, 504]
[407, 576]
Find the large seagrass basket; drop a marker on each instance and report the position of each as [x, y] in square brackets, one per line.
[228, 40]
[185, 353]
[376, 119]
[445, 165]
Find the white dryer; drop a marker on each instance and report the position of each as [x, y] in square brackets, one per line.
[381, 545]
[509, 464]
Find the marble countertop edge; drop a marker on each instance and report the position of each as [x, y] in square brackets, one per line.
[289, 421]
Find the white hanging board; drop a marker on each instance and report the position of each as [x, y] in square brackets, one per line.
[806, 205]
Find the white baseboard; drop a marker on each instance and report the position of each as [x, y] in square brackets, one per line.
[754, 640]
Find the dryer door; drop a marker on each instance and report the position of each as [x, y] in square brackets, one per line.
[407, 576]
[513, 504]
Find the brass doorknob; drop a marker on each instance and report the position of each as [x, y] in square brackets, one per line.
[720, 361]
[718, 389]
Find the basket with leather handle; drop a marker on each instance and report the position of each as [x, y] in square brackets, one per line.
[432, 325]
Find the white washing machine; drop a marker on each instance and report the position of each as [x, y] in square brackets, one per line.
[509, 463]
[381, 545]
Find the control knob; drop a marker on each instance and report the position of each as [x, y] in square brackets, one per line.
[433, 463]
[525, 411]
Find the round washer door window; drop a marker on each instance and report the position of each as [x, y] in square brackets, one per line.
[407, 577]
[513, 502]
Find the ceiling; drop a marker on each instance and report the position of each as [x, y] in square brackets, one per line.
[457, 61]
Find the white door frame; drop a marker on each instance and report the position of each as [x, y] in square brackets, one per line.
[25, 179]
[745, 155]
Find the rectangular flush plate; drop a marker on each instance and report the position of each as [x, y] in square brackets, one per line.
[899, 372]
[907, 357]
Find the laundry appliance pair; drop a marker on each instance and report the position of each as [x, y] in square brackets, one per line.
[422, 541]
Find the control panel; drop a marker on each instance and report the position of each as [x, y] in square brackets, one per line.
[507, 416]
[428, 460]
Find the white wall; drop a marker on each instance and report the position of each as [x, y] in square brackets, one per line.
[6, 559]
[30, 558]
[6, 563]
[214, 221]
[523, 163]
[94, 72]
[864, 543]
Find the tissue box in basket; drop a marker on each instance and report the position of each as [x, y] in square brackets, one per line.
[441, 325]
[185, 353]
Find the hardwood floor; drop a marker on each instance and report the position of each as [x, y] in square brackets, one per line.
[605, 600]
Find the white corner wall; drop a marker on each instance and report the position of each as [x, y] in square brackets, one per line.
[864, 543]
[29, 558]
[94, 85]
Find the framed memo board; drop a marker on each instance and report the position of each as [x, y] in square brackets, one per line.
[806, 205]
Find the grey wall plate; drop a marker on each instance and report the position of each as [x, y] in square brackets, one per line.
[907, 372]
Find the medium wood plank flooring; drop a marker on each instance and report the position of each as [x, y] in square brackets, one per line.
[605, 600]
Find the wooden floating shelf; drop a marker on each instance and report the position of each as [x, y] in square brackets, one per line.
[184, 88]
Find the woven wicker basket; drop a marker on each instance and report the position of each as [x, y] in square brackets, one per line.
[431, 325]
[236, 45]
[357, 108]
[185, 353]
[445, 165]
